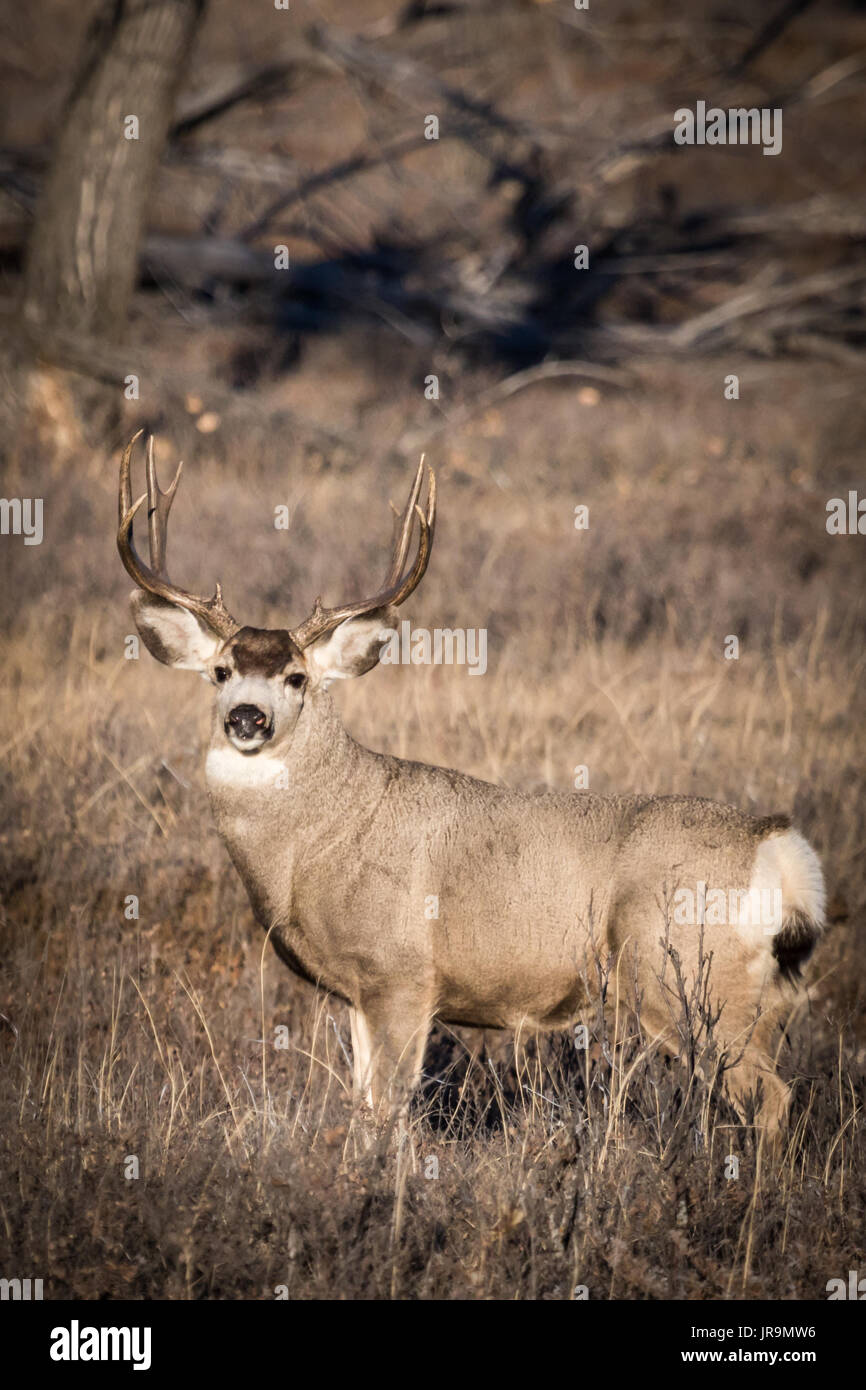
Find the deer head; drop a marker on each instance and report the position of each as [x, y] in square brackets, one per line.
[262, 676]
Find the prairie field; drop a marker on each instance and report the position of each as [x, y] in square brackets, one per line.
[176, 1112]
[553, 1168]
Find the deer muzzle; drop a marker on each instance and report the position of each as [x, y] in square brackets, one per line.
[248, 727]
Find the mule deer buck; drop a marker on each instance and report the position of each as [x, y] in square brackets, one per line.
[341, 849]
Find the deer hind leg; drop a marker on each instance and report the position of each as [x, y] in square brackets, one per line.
[753, 1081]
[750, 1079]
[756, 1076]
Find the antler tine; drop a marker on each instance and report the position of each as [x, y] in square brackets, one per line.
[395, 589]
[153, 578]
[403, 528]
[158, 508]
[124, 500]
[427, 524]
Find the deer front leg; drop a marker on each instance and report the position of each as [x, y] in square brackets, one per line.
[392, 1029]
[361, 1058]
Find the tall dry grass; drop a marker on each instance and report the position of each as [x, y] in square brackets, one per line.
[531, 1168]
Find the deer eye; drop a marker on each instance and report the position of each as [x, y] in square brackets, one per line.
[221, 673]
[296, 679]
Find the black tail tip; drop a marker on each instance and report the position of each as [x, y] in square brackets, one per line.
[794, 943]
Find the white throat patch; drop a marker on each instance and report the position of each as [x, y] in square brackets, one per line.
[226, 766]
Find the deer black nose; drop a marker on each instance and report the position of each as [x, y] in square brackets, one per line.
[246, 721]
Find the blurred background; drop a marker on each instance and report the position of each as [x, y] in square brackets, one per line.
[298, 290]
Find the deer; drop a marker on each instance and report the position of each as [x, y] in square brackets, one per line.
[342, 850]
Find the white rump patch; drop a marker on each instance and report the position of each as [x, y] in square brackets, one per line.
[786, 876]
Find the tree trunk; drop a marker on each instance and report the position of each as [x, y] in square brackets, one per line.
[83, 253]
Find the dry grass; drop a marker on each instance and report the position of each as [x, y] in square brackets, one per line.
[532, 1169]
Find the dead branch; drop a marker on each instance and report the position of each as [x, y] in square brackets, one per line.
[410, 81]
[501, 390]
[227, 91]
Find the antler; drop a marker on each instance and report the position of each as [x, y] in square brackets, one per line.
[395, 588]
[153, 578]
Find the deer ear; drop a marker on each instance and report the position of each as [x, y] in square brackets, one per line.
[172, 634]
[351, 649]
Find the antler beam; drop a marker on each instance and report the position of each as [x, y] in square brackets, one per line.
[395, 589]
[153, 578]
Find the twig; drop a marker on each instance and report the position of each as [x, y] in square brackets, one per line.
[774, 27]
[610, 376]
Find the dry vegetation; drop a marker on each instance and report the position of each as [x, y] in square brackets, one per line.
[153, 1037]
[554, 1169]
